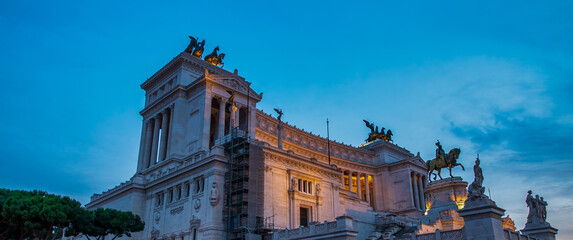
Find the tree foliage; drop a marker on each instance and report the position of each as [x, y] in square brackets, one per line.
[113, 222]
[35, 214]
[39, 215]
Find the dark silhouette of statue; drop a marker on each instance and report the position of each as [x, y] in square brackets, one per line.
[476, 190]
[280, 112]
[198, 52]
[375, 134]
[440, 154]
[279, 129]
[214, 58]
[192, 45]
[443, 161]
[537, 210]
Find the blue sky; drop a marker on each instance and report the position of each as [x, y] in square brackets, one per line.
[493, 78]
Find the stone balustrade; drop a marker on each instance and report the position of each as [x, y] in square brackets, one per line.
[117, 188]
[267, 123]
[509, 235]
[327, 230]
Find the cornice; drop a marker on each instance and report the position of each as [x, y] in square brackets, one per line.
[183, 57]
[163, 102]
[117, 190]
[296, 162]
[299, 137]
[234, 83]
[386, 145]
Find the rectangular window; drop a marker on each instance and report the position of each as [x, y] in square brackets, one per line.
[304, 216]
[179, 192]
[187, 189]
[170, 195]
[158, 201]
[199, 185]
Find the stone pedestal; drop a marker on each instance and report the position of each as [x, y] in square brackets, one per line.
[545, 231]
[443, 199]
[483, 222]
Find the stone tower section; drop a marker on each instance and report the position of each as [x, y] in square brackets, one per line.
[187, 108]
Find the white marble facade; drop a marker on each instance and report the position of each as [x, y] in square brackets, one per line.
[179, 187]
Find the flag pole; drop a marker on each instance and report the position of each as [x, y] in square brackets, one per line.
[328, 140]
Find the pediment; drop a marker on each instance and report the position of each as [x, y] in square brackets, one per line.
[234, 82]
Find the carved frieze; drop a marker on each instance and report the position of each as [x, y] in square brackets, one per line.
[176, 210]
[297, 164]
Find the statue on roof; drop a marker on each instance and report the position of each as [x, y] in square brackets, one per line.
[198, 52]
[375, 134]
[214, 58]
[279, 129]
[280, 112]
[192, 45]
[195, 47]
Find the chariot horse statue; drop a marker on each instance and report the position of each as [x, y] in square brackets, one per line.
[443, 161]
[215, 59]
[375, 134]
[195, 47]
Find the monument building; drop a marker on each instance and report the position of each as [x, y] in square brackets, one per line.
[212, 165]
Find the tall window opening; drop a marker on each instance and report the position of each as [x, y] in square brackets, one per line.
[214, 121]
[362, 187]
[304, 216]
[346, 181]
[227, 118]
[243, 118]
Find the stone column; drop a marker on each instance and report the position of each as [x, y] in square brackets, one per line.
[155, 140]
[233, 110]
[237, 115]
[140, 161]
[350, 185]
[147, 148]
[221, 126]
[252, 121]
[206, 122]
[358, 186]
[421, 193]
[164, 131]
[415, 188]
[367, 188]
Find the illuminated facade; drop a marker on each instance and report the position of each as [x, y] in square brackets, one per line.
[213, 166]
[204, 140]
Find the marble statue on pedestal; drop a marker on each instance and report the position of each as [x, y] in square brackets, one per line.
[537, 209]
[279, 129]
[537, 225]
[476, 192]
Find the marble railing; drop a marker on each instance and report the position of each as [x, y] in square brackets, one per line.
[267, 123]
[164, 169]
[509, 235]
[342, 226]
[438, 235]
[117, 188]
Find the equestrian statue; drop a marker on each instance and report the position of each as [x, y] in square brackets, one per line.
[443, 160]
